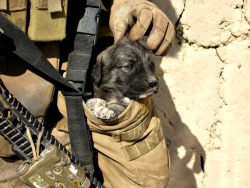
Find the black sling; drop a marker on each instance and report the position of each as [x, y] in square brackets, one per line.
[78, 64]
[18, 42]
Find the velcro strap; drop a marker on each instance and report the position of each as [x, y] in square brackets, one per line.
[50, 5]
[135, 133]
[78, 68]
[54, 6]
[140, 148]
[78, 63]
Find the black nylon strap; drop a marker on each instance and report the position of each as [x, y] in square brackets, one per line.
[78, 132]
[19, 43]
[78, 63]
[79, 59]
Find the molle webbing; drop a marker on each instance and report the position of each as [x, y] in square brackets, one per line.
[140, 148]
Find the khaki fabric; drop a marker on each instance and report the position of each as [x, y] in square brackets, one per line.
[116, 141]
[5, 148]
[15, 11]
[61, 129]
[131, 153]
[47, 20]
[32, 91]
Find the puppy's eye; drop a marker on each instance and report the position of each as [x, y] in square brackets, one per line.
[130, 66]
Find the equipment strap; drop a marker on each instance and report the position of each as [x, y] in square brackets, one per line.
[18, 42]
[78, 63]
[140, 148]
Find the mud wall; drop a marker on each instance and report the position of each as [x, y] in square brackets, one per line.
[204, 97]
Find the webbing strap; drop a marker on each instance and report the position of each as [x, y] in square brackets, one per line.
[78, 63]
[140, 148]
[15, 40]
[78, 132]
[135, 133]
[76, 74]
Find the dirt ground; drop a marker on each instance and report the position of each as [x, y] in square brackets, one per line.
[8, 175]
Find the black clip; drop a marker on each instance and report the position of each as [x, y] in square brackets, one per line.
[89, 23]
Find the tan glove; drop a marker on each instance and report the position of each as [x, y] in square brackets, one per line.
[122, 17]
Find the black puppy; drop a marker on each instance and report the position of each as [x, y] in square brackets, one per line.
[122, 72]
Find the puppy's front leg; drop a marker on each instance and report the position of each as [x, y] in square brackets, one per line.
[101, 109]
[119, 107]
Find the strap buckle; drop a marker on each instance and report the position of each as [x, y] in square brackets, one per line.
[117, 137]
[89, 23]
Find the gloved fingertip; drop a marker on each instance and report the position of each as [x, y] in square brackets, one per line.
[163, 50]
[118, 36]
[133, 37]
[155, 38]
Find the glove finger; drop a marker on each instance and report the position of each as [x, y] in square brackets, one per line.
[119, 28]
[169, 36]
[144, 18]
[155, 38]
[163, 48]
[157, 34]
[167, 41]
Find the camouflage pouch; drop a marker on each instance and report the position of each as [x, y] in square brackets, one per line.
[15, 11]
[47, 20]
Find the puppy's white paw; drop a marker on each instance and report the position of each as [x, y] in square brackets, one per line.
[95, 103]
[104, 112]
[125, 101]
[100, 109]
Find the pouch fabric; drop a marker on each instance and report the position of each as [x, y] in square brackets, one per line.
[15, 11]
[132, 151]
[48, 20]
[31, 90]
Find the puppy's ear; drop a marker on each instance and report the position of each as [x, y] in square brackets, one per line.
[96, 74]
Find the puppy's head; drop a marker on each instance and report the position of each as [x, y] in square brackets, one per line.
[125, 69]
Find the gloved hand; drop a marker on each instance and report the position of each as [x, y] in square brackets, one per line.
[122, 17]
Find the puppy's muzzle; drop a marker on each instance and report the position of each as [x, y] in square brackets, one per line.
[153, 83]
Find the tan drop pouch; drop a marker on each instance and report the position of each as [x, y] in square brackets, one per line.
[47, 20]
[15, 11]
[132, 152]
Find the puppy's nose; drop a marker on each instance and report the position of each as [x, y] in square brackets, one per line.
[152, 83]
